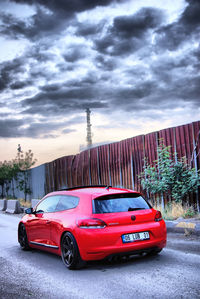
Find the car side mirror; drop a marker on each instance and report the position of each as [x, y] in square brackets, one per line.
[29, 211]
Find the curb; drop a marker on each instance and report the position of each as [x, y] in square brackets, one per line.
[182, 226]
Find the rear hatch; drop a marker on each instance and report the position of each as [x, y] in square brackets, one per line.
[123, 209]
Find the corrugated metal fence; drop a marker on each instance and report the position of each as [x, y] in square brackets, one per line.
[120, 163]
[116, 164]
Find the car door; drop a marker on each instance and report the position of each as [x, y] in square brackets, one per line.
[39, 223]
[63, 216]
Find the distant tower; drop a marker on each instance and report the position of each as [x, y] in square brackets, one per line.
[89, 133]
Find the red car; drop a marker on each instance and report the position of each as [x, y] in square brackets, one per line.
[92, 223]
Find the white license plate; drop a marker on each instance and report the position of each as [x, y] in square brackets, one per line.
[135, 237]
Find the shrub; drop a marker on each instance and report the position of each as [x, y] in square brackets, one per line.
[169, 176]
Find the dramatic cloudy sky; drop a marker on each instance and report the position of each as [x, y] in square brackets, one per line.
[134, 63]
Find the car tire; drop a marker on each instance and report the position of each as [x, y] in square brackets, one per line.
[70, 252]
[22, 237]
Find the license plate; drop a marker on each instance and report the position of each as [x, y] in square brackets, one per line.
[135, 237]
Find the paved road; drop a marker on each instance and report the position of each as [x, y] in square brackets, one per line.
[34, 274]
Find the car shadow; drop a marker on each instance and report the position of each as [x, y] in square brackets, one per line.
[50, 260]
[123, 262]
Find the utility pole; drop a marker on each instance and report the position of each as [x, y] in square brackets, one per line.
[89, 132]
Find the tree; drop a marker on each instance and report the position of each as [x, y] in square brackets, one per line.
[3, 174]
[8, 172]
[24, 161]
[176, 179]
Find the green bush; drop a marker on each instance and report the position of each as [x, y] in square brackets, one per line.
[170, 176]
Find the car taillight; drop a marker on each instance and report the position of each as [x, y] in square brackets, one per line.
[158, 216]
[91, 223]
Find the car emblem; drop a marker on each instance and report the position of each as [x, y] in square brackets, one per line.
[133, 217]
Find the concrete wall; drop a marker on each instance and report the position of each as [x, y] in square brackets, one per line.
[36, 183]
[37, 179]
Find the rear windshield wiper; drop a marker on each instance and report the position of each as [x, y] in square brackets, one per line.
[135, 209]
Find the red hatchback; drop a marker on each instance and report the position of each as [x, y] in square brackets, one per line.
[92, 223]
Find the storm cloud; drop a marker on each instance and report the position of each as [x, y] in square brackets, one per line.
[110, 56]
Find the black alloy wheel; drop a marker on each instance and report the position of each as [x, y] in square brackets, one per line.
[22, 237]
[70, 252]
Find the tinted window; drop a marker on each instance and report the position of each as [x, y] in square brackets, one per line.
[67, 202]
[48, 204]
[119, 203]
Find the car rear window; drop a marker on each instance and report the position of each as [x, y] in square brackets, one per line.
[119, 203]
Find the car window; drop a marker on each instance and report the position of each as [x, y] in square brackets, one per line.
[48, 204]
[67, 202]
[119, 203]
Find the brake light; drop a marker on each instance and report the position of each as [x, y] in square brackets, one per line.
[91, 223]
[158, 216]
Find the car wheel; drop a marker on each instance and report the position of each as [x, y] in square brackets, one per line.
[22, 237]
[70, 252]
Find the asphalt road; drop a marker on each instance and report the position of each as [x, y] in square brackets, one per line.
[175, 273]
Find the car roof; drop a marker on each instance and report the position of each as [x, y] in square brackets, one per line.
[92, 191]
[98, 191]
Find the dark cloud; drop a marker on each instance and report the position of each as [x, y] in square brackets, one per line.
[120, 64]
[51, 17]
[63, 99]
[107, 64]
[8, 71]
[136, 25]
[21, 84]
[39, 52]
[135, 93]
[68, 7]
[11, 26]
[188, 89]
[88, 29]
[10, 128]
[51, 87]
[173, 35]
[129, 33]
[67, 131]
[3, 115]
[14, 128]
[39, 129]
[74, 53]
[167, 69]
[42, 24]
[60, 107]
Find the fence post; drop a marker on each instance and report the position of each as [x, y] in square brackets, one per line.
[162, 198]
[98, 169]
[110, 181]
[132, 173]
[195, 164]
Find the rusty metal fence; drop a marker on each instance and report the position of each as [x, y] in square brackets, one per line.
[117, 164]
[120, 163]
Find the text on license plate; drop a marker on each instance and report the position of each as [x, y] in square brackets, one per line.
[135, 237]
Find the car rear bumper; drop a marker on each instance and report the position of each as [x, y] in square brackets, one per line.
[125, 249]
[99, 244]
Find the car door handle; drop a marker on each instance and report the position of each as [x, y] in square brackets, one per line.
[48, 222]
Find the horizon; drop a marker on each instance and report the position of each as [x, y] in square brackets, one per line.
[134, 64]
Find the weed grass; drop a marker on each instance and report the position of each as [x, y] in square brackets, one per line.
[176, 210]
